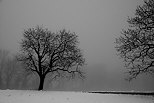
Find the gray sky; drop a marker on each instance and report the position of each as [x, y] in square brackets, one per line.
[97, 22]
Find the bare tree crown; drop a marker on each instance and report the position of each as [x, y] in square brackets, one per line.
[136, 44]
[45, 52]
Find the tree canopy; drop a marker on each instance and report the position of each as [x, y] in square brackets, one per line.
[136, 44]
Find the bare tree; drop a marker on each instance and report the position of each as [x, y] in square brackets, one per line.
[3, 59]
[136, 44]
[45, 52]
[12, 71]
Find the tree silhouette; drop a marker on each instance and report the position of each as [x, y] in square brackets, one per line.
[136, 44]
[45, 52]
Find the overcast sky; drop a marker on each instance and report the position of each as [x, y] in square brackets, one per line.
[96, 22]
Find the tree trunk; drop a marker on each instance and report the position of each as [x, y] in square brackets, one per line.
[42, 78]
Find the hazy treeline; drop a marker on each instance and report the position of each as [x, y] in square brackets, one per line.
[12, 73]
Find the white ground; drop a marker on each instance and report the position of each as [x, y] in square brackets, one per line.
[19, 96]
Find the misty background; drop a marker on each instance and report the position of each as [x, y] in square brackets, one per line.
[96, 22]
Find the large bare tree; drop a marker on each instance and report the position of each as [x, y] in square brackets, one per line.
[136, 44]
[57, 53]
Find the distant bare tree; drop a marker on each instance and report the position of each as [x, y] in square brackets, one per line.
[3, 59]
[136, 44]
[12, 71]
[45, 52]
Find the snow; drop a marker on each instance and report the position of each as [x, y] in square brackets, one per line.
[22, 96]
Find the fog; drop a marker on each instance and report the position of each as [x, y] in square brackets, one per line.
[96, 22]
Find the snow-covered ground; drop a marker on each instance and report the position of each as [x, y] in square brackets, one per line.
[21, 96]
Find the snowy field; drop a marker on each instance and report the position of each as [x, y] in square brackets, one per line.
[21, 96]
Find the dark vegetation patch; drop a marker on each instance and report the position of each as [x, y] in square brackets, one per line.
[128, 93]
